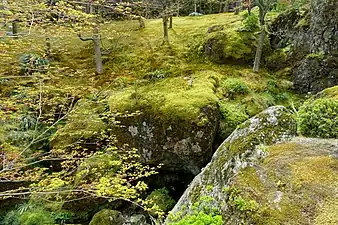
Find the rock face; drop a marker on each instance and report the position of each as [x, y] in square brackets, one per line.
[178, 144]
[313, 37]
[241, 149]
[177, 124]
[315, 74]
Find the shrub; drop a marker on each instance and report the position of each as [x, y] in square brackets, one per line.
[36, 217]
[12, 218]
[231, 116]
[156, 75]
[234, 86]
[28, 216]
[200, 218]
[203, 213]
[30, 63]
[318, 118]
[250, 22]
[162, 199]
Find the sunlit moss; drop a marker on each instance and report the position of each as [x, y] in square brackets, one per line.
[173, 97]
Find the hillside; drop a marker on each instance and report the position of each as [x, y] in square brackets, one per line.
[178, 125]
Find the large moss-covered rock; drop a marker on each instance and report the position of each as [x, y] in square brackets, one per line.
[107, 217]
[228, 46]
[240, 150]
[177, 123]
[295, 184]
[310, 39]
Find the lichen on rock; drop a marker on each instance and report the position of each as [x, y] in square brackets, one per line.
[240, 150]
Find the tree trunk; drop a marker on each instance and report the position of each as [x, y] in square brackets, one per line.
[141, 21]
[97, 47]
[220, 7]
[165, 30]
[238, 7]
[48, 48]
[226, 7]
[170, 22]
[259, 50]
[90, 11]
[249, 6]
[15, 29]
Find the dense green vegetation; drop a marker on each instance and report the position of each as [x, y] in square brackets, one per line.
[318, 116]
[74, 76]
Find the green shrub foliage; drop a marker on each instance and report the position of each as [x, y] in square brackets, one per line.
[319, 118]
[250, 22]
[234, 86]
[203, 213]
[34, 216]
[200, 218]
[162, 199]
[30, 63]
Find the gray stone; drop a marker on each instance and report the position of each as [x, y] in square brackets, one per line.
[242, 148]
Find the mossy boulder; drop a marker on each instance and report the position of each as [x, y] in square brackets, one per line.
[228, 46]
[177, 122]
[295, 184]
[107, 217]
[240, 150]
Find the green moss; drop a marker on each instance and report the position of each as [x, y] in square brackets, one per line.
[161, 199]
[319, 55]
[227, 45]
[328, 215]
[255, 103]
[172, 97]
[303, 174]
[331, 93]
[107, 217]
[318, 118]
[232, 115]
[232, 87]
[84, 122]
[320, 170]
[195, 194]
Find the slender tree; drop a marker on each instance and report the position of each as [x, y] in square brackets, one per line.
[96, 39]
[264, 8]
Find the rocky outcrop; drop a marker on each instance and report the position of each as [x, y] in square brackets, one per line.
[315, 74]
[243, 148]
[177, 123]
[295, 184]
[178, 144]
[312, 35]
[324, 26]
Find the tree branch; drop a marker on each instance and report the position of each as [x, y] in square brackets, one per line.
[85, 39]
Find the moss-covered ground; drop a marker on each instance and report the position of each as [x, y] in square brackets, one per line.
[141, 73]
